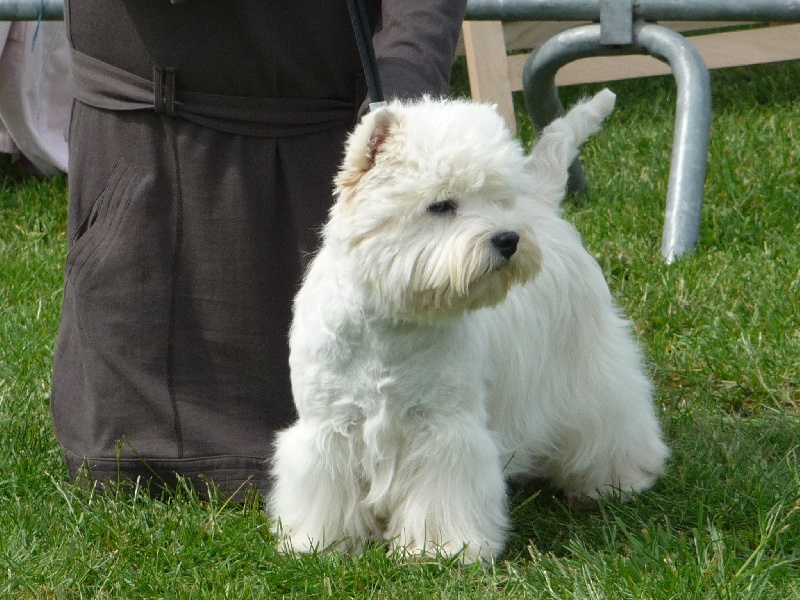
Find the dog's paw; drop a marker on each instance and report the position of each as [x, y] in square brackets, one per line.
[629, 480]
[462, 543]
[305, 544]
[457, 553]
[291, 543]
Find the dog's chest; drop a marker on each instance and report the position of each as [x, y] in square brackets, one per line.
[389, 373]
[366, 372]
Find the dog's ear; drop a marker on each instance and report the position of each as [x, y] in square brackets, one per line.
[364, 145]
[384, 120]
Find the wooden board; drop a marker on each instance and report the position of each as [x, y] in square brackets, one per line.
[719, 50]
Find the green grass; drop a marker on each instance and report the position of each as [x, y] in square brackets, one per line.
[721, 330]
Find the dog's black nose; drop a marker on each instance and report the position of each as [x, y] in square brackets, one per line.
[506, 243]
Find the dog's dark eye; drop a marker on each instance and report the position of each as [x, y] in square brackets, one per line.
[442, 207]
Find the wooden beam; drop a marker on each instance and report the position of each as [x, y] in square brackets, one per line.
[488, 69]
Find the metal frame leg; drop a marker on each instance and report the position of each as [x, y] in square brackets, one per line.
[692, 120]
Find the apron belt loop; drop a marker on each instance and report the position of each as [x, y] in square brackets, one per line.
[164, 90]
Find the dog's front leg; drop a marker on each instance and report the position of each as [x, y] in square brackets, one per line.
[450, 492]
[316, 495]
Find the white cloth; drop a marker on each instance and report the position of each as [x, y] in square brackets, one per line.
[35, 99]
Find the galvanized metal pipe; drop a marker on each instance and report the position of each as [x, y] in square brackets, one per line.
[687, 174]
[530, 10]
[648, 10]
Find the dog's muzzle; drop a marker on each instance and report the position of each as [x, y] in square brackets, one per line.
[506, 243]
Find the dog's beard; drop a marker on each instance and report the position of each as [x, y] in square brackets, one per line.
[453, 282]
[487, 290]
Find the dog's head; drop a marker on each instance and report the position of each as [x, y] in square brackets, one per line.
[427, 208]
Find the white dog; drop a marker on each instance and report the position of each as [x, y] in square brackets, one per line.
[453, 333]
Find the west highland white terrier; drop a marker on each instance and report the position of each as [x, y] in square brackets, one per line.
[451, 334]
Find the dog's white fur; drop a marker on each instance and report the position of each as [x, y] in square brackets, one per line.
[428, 368]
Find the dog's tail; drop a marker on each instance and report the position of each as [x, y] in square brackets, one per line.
[560, 141]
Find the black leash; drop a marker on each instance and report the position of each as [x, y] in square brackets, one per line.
[358, 16]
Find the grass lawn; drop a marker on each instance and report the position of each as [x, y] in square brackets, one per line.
[721, 330]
